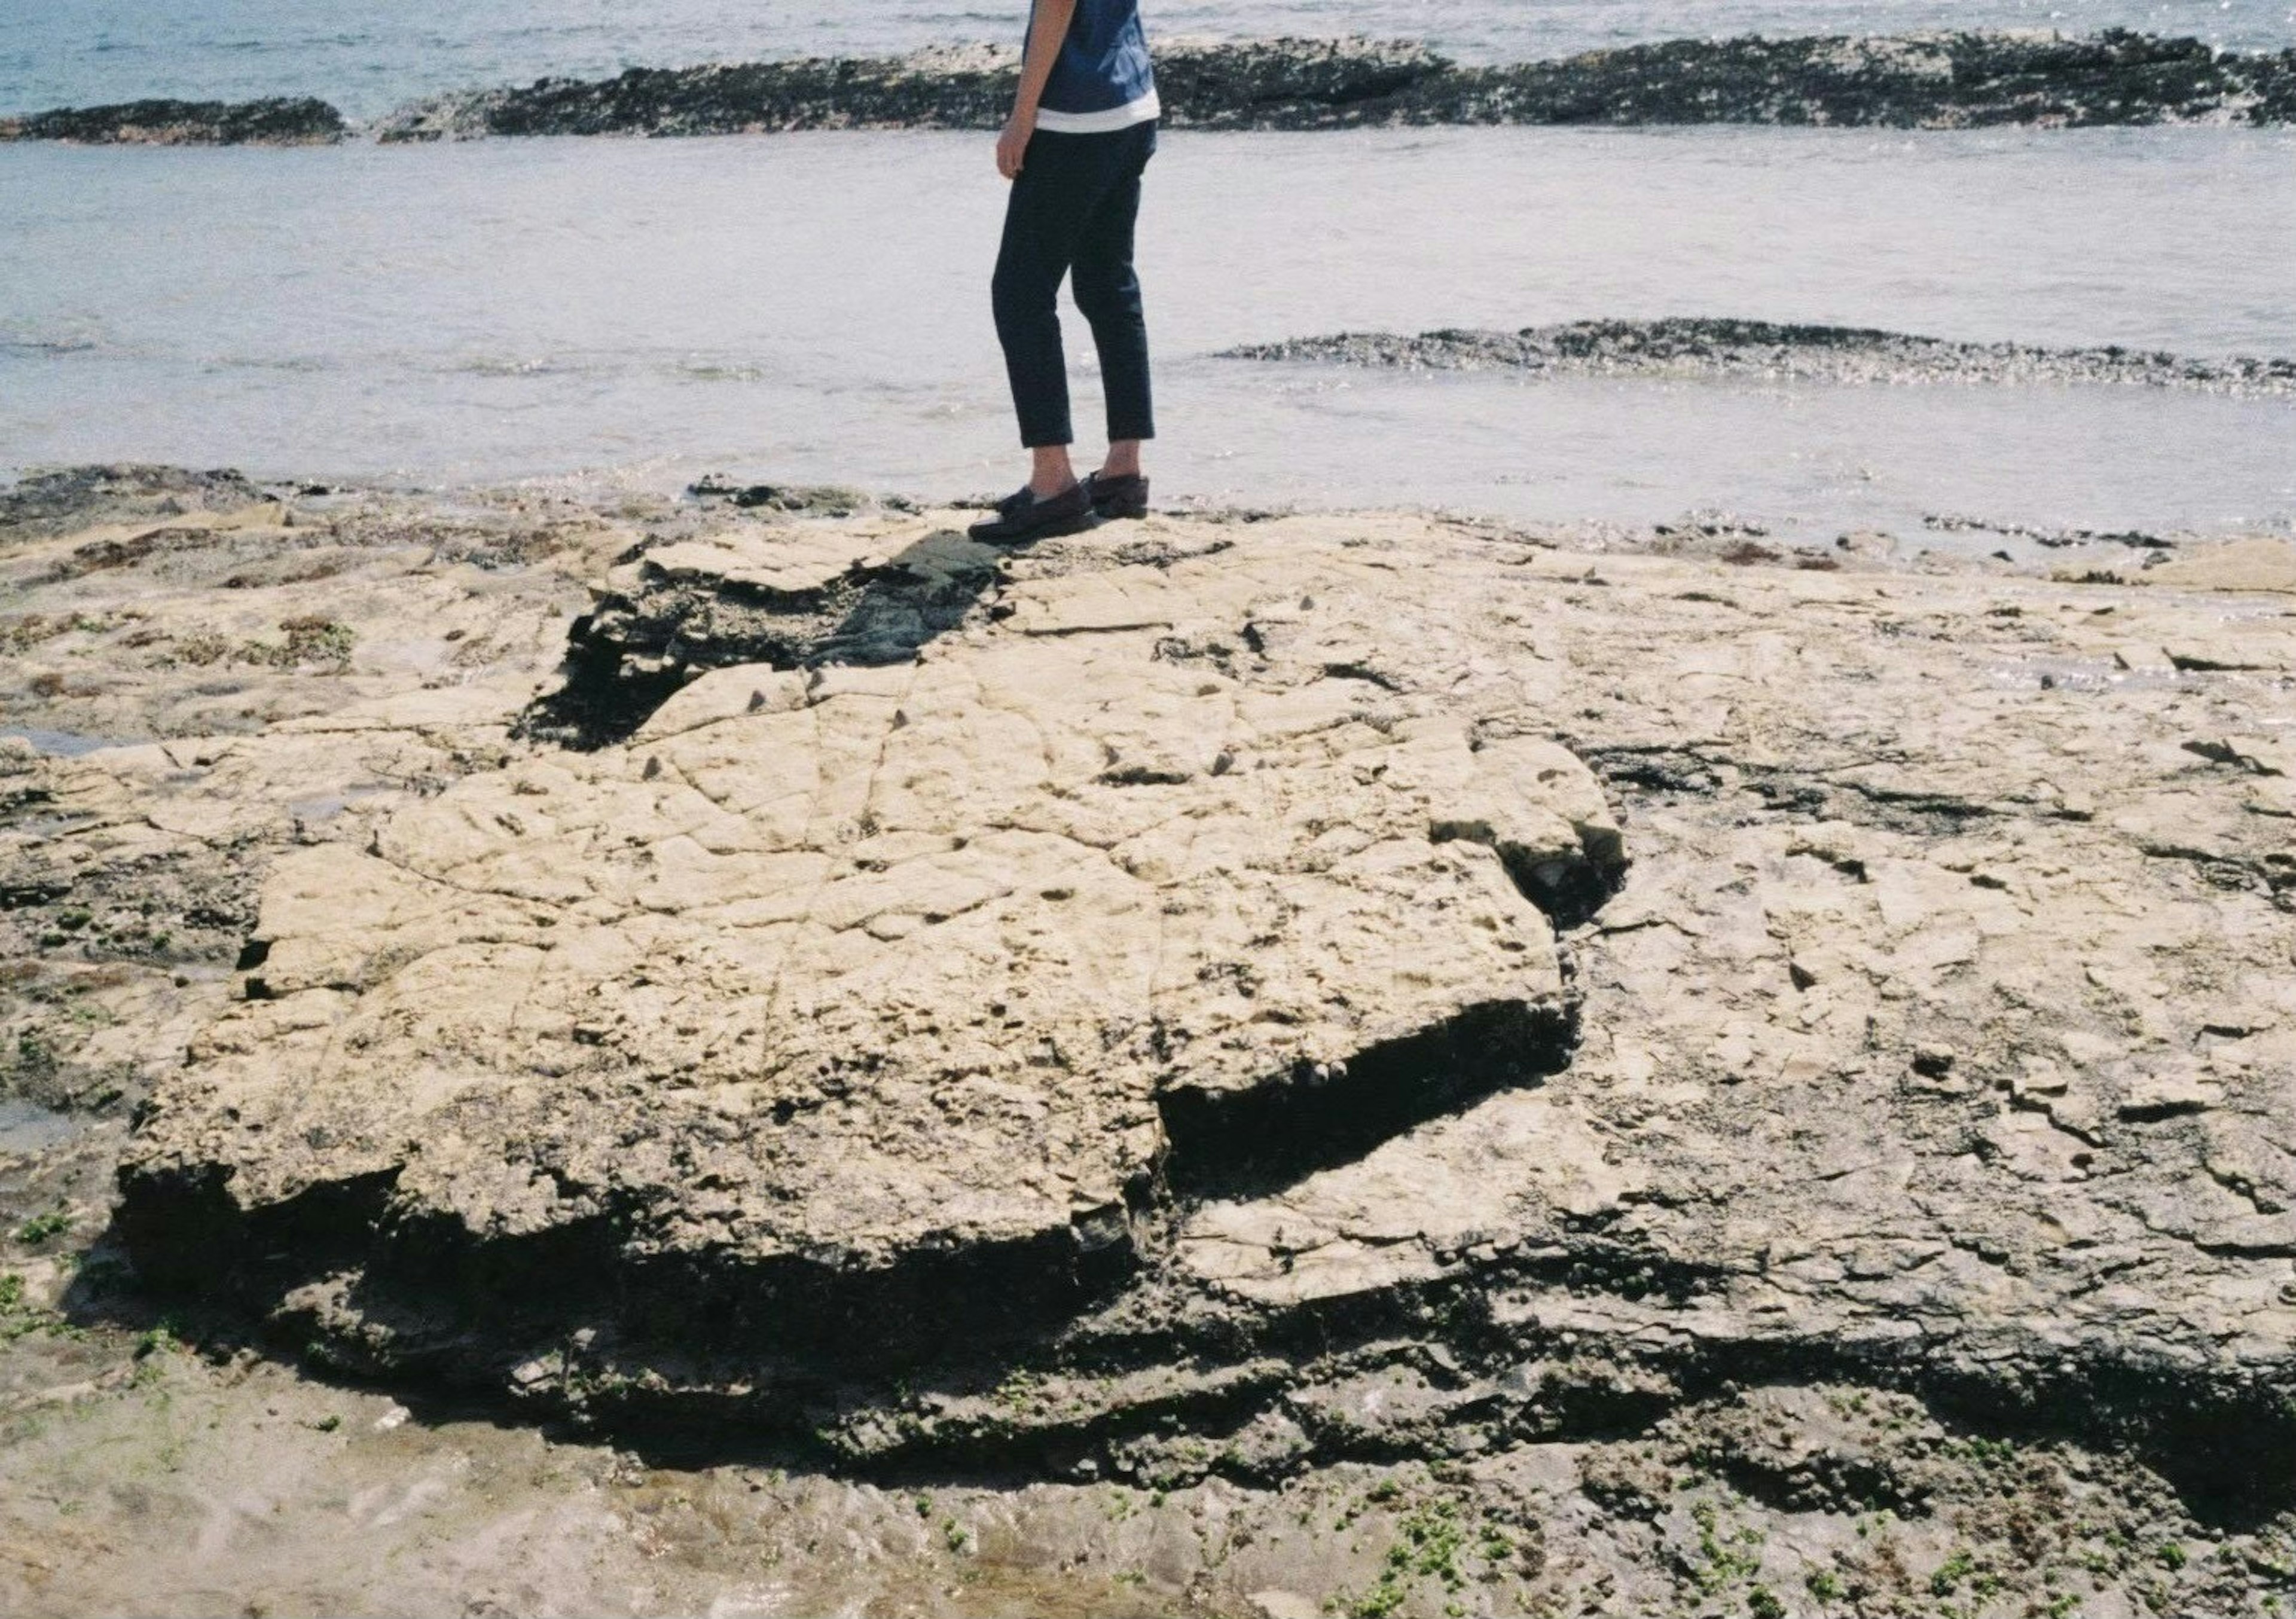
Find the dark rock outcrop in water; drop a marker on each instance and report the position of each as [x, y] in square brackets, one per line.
[274, 121]
[1916, 81]
[54, 500]
[969, 88]
[1913, 81]
[1767, 349]
[1957, 80]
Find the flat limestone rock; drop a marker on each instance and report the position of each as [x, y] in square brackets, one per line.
[948, 962]
[2260, 564]
[798, 1068]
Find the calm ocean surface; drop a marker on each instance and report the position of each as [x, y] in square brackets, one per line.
[814, 307]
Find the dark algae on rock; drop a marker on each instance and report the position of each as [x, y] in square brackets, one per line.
[1933, 81]
[273, 121]
[1921, 81]
[1946, 80]
[1725, 347]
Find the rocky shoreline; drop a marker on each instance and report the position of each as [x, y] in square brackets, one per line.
[1733, 1078]
[1938, 82]
[1929, 81]
[274, 121]
[1765, 349]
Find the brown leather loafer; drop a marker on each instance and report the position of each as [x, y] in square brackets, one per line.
[1025, 517]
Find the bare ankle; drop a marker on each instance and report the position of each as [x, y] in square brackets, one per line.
[1053, 473]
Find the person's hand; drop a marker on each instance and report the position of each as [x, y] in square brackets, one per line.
[1013, 146]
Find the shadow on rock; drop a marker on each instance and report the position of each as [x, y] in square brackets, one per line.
[782, 600]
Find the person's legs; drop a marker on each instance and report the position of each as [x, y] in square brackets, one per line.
[1050, 200]
[1108, 291]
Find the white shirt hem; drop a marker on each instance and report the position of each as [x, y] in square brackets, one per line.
[1100, 123]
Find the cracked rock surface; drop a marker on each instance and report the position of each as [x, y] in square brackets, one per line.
[1154, 1041]
[945, 966]
[1088, 971]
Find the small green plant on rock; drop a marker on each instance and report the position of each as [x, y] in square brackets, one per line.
[20, 1318]
[310, 640]
[1429, 1543]
[1020, 1393]
[1432, 1539]
[1379, 1602]
[1724, 1558]
[200, 648]
[35, 1059]
[39, 1227]
[1951, 1572]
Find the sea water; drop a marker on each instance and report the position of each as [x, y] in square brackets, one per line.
[814, 307]
[368, 55]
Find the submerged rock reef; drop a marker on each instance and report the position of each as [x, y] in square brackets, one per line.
[1738, 348]
[274, 121]
[1926, 81]
[1650, 1064]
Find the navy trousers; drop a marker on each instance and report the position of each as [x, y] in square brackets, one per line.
[1072, 214]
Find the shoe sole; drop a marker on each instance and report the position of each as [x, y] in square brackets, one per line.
[1050, 531]
[1121, 513]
